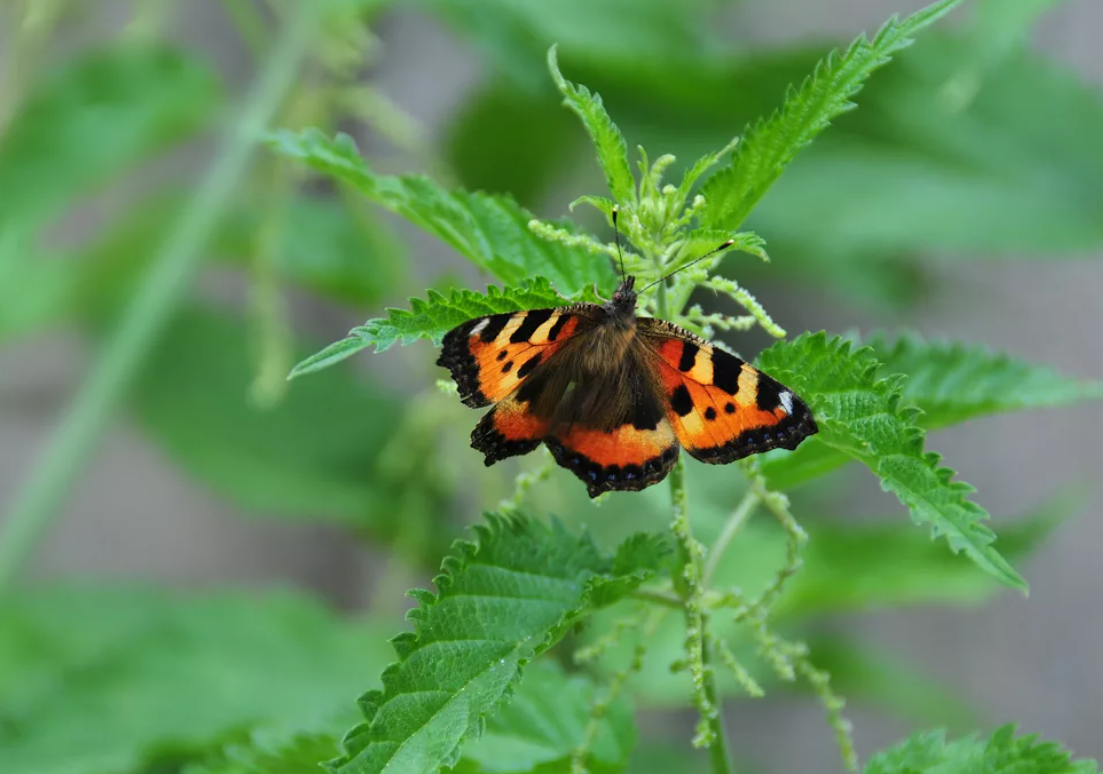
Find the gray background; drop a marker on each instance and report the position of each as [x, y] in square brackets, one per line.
[1036, 661]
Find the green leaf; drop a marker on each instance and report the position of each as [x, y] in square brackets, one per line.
[1002, 753]
[953, 382]
[92, 117]
[309, 456]
[491, 231]
[501, 602]
[513, 34]
[950, 382]
[165, 675]
[863, 416]
[431, 319]
[612, 151]
[544, 722]
[268, 753]
[771, 145]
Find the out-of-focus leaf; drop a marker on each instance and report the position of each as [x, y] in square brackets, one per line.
[544, 722]
[514, 34]
[880, 680]
[1002, 753]
[324, 246]
[160, 674]
[36, 290]
[506, 140]
[265, 753]
[97, 114]
[490, 231]
[431, 319]
[312, 455]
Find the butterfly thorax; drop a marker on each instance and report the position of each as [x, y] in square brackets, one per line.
[621, 308]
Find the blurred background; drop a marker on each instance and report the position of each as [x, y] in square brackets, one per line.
[963, 200]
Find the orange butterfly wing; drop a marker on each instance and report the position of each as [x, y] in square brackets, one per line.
[491, 357]
[721, 408]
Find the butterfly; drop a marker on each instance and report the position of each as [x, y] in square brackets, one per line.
[614, 396]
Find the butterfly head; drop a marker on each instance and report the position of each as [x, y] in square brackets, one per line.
[623, 302]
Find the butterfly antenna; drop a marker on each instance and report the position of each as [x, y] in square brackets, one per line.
[709, 254]
[616, 236]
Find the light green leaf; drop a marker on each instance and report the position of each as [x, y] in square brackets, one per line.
[771, 145]
[543, 723]
[490, 231]
[431, 319]
[311, 455]
[162, 672]
[953, 382]
[501, 602]
[612, 151]
[92, 117]
[1002, 753]
[863, 416]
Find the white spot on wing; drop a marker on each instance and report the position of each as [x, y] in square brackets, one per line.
[479, 328]
[787, 401]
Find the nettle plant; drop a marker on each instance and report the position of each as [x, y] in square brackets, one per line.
[474, 687]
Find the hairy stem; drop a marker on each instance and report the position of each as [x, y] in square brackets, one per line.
[151, 307]
[688, 583]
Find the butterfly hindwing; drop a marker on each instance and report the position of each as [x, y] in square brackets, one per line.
[721, 408]
[489, 357]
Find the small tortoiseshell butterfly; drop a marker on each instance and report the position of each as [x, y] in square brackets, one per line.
[613, 395]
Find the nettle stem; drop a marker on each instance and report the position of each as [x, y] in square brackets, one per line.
[688, 582]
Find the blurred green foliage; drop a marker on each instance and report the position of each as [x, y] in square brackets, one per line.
[971, 145]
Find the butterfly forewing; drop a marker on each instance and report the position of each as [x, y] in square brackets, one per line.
[722, 408]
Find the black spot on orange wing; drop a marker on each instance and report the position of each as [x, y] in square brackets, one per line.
[689, 356]
[680, 401]
[767, 393]
[529, 366]
[725, 371]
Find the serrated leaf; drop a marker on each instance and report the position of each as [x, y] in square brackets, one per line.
[1002, 753]
[863, 416]
[308, 456]
[489, 230]
[431, 319]
[92, 117]
[544, 722]
[612, 151]
[501, 601]
[165, 673]
[950, 382]
[771, 145]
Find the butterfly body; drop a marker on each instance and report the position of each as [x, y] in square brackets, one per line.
[613, 395]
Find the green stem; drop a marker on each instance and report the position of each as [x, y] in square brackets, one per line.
[164, 284]
[687, 582]
[731, 529]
